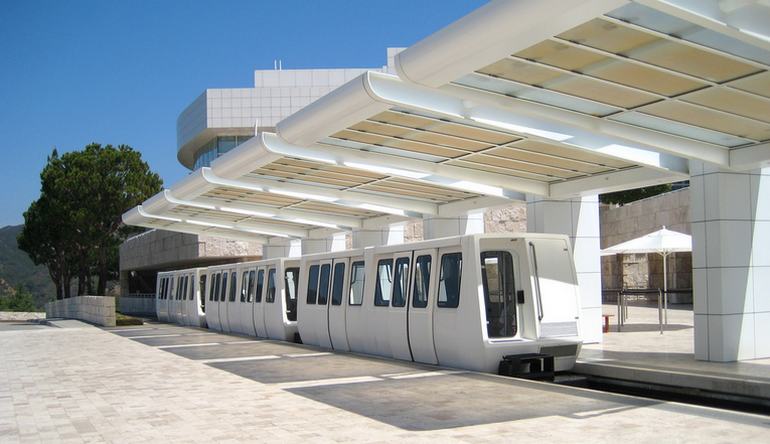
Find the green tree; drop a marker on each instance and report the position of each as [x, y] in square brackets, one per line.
[626, 196]
[19, 300]
[46, 235]
[75, 227]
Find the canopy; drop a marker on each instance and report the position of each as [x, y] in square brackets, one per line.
[663, 241]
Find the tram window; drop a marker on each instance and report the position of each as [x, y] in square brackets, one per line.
[217, 282]
[192, 288]
[184, 292]
[233, 284]
[356, 296]
[384, 283]
[223, 293]
[212, 289]
[400, 282]
[497, 281]
[160, 288]
[250, 287]
[338, 281]
[244, 283]
[178, 289]
[260, 286]
[203, 292]
[312, 285]
[291, 284]
[421, 281]
[323, 284]
[449, 280]
[270, 298]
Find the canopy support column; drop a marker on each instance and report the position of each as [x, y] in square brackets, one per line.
[730, 214]
[579, 219]
[375, 237]
[279, 247]
[323, 241]
[434, 227]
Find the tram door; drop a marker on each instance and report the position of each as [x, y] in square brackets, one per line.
[424, 272]
[337, 305]
[259, 304]
[556, 297]
[320, 311]
[398, 325]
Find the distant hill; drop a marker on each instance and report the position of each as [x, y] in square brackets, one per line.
[16, 268]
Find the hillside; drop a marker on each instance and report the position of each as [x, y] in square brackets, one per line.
[16, 268]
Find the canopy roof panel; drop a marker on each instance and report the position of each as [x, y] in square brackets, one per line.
[688, 78]
[475, 147]
[580, 97]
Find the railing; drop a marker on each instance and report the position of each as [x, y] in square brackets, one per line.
[622, 302]
[137, 304]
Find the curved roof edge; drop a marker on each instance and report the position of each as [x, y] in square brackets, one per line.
[491, 33]
[333, 112]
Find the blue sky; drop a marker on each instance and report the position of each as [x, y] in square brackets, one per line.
[114, 72]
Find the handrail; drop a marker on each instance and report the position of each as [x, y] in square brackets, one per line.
[540, 313]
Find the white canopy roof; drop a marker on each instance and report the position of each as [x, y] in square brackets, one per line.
[556, 98]
[662, 241]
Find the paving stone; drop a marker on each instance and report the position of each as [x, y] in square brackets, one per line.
[93, 385]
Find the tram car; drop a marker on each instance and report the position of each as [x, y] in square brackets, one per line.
[179, 297]
[254, 298]
[463, 301]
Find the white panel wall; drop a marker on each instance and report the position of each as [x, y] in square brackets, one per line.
[730, 213]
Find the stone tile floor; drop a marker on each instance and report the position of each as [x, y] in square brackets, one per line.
[85, 384]
[640, 344]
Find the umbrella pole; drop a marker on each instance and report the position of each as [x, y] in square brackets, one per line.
[665, 288]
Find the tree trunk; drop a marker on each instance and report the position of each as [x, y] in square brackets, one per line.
[81, 282]
[103, 273]
[55, 274]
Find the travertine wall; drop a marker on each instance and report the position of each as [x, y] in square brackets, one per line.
[159, 248]
[99, 310]
[20, 315]
[619, 224]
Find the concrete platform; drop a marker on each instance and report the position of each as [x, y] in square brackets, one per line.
[640, 353]
[108, 385]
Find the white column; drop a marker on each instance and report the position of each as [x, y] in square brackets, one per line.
[730, 214]
[434, 227]
[374, 237]
[280, 247]
[579, 219]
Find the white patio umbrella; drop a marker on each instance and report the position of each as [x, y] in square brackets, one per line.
[663, 242]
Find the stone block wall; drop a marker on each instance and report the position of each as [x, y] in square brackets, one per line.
[20, 315]
[156, 248]
[623, 223]
[99, 310]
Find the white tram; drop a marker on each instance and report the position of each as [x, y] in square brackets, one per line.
[460, 302]
[178, 297]
[254, 298]
[464, 301]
